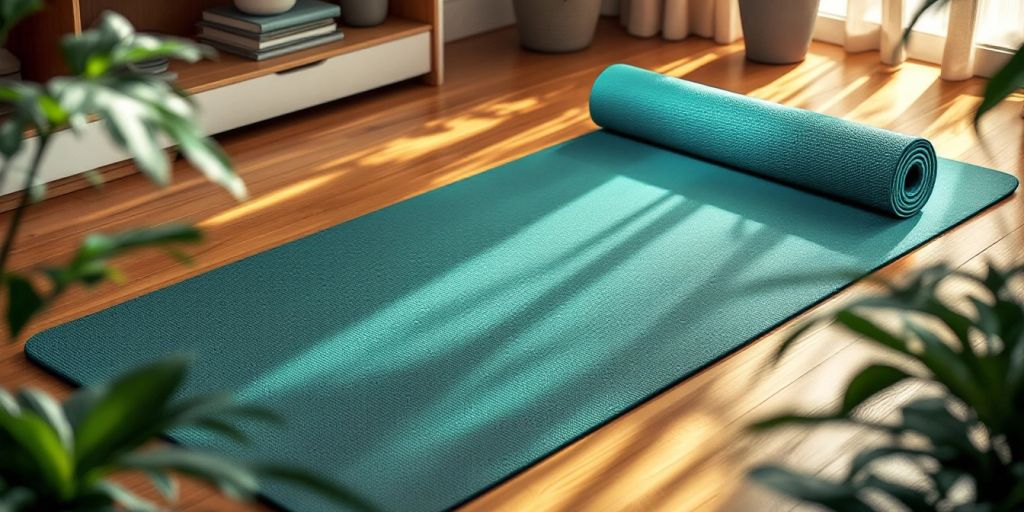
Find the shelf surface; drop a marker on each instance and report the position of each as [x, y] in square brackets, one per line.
[228, 69]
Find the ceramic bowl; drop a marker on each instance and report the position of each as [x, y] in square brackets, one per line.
[264, 7]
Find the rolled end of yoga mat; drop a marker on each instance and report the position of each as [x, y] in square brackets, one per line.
[884, 171]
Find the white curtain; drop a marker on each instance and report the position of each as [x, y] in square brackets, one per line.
[864, 34]
[677, 19]
[720, 20]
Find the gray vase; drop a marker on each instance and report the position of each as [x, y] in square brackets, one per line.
[557, 26]
[778, 31]
[364, 13]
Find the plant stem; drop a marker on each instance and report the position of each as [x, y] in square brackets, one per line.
[12, 229]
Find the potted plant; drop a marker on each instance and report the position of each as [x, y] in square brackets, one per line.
[778, 31]
[557, 26]
[62, 456]
[962, 446]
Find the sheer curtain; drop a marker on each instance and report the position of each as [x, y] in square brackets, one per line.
[677, 19]
[879, 25]
[868, 25]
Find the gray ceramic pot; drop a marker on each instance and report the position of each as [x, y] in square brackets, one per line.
[557, 26]
[364, 13]
[778, 31]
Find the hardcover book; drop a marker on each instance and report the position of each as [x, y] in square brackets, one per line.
[279, 51]
[305, 11]
[220, 36]
[267, 36]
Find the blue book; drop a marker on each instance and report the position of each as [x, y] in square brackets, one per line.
[305, 11]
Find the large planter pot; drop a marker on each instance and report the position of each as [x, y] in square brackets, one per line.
[557, 26]
[778, 31]
[364, 13]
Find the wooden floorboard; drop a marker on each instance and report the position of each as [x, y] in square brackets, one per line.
[683, 450]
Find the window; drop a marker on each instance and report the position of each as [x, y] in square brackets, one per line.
[1000, 29]
[1000, 23]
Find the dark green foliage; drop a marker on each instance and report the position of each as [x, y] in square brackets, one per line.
[137, 109]
[972, 432]
[61, 456]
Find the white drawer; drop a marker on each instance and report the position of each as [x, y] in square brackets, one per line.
[272, 95]
[244, 103]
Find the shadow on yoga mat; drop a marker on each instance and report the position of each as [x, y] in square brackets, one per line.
[426, 351]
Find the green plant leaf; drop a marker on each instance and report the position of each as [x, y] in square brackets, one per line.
[330, 490]
[31, 107]
[220, 405]
[129, 412]
[90, 266]
[232, 478]
[204, 153]
[869, 382]
[136, 107]
[12, 133]
[1009, 78]
[915, 500]
[128, 500]
[143, 47]
[23, 302]
[960, 373]
[166, 484]
[222, 428]
[44, 406]
[836, 496]
[795, 336]
[126, 121]
[8, 404]
[925, 6]
[868, 457]
[34, 452]
[930, 417]
[794, 419]
[870, 330]
[88, 53]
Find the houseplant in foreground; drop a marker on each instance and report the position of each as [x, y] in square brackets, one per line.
[62, 456]
[965, 442]
[57, 456]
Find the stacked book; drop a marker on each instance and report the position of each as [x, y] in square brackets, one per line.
[310, 23]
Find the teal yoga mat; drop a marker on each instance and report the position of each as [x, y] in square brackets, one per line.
[429, 350]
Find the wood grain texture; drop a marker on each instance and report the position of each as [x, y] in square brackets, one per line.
[683, 450]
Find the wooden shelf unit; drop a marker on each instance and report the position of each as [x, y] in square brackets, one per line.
[36, 40]
[228, 69]
[230, 91]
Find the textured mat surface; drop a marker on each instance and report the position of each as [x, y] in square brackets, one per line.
[888, 172]
[425, 352]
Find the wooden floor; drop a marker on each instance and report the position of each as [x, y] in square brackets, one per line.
[683, 450]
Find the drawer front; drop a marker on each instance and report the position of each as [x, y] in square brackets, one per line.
[272, 95]
[68, 154]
